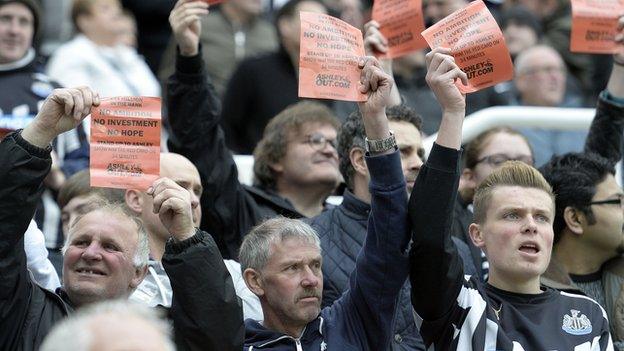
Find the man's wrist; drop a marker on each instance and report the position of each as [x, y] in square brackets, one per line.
[189, 51]
[36, 136]
[189, 234]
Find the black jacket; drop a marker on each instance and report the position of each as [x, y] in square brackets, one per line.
[211, 320]
[229, 209]
[342, 231]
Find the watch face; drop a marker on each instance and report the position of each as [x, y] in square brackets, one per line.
[381, 145]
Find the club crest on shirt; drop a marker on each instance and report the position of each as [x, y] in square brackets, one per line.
[575, 324]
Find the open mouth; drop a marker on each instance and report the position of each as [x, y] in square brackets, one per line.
[89, 271]
[529, 248]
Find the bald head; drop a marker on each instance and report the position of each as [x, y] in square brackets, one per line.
[109, 326]
[540, 76]
[183, 172]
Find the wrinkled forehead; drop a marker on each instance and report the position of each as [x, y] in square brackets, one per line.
[291, 248]
[105, 224]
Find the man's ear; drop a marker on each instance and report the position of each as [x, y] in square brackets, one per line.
[574, 219]
[467, 179]
[253, 281]
[356, 157]
[134, 200]
[476, 235]
[277, 167]
[139, 275]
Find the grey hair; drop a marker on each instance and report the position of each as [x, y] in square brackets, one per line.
[256, 247]
[141, 255]
[76, 332]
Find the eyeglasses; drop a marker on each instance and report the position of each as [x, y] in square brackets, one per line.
[618, 201]
[318, 141]
[497, 160]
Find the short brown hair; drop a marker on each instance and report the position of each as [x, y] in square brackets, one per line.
[272, 146]
[512, 173]
[473, 149]
[79, 185]
[81, 8]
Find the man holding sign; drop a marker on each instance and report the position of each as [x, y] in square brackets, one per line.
[106, 251]
[282, 261]
[296, 166]
[514, 210]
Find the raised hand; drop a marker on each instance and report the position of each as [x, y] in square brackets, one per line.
[374, 41]
[62, 110]
[442, 72]
[377, 84]
[172, 203]
[186, 25]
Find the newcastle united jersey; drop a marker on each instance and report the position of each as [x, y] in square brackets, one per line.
[486, 318]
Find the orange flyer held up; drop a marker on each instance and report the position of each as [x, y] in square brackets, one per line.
[328, 62]
[476, 43]
[400, 22]
[125, 142]
[594, 26]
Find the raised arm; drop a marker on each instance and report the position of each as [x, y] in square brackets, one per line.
[382, 265]
[194, 110]
[206, 312]
[606, 131]
[25, 162]
[436, 269]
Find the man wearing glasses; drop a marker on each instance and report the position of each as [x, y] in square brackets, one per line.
[296, 163]
[588, 240]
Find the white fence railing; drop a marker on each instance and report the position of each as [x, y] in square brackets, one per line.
[513, 116]
[524, 116]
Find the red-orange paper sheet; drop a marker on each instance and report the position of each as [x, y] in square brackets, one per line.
[400, 22]
[125, 142]
[476, 43]
[328, 59]
[594, 26]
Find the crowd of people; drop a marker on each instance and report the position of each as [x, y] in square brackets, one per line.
[512, 240]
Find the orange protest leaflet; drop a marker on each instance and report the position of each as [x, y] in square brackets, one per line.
[400, 22]
[477, 44]
[125, 142]
[594, 25]
[328, 60]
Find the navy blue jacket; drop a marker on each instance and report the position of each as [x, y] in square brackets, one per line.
[362, 319]
[342, 231]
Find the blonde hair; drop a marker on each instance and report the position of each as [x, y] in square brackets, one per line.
[512, 173]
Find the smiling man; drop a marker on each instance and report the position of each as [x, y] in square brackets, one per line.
[106, 251]
[514, 210]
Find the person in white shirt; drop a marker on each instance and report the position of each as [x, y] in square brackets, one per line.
[97, 59]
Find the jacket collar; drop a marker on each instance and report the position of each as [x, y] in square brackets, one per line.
[259, 337]
[557, 277]
[353, 205]
[21, 63]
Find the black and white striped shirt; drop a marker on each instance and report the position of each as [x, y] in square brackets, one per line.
[464, 314]
[486, 318]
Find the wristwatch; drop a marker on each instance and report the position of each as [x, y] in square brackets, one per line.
[381, 145]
